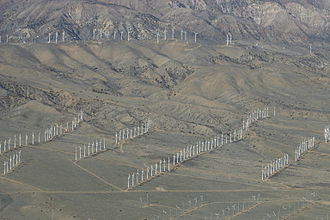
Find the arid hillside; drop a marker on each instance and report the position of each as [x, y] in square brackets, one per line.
[97, 128]
[294, 22]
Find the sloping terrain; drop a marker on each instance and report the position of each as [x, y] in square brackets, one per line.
[294, 22]
[191, 92]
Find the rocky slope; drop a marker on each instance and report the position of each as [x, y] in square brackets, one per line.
[298, 21]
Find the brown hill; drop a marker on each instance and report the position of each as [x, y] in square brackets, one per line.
[299, 21]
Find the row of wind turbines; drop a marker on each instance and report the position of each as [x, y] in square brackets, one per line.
[119, 35]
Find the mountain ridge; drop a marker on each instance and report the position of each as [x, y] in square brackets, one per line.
[293, 22]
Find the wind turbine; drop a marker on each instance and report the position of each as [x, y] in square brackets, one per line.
[94, 34]
[157, 35]
[114, 35]
[165, 34]
[195, 37]
[56, 36]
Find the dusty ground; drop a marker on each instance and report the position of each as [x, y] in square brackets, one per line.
[191, 92]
